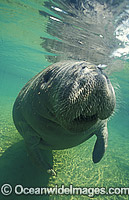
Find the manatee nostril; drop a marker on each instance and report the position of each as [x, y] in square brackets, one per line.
[83, 67]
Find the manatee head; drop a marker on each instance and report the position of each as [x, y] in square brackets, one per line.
[79, 95]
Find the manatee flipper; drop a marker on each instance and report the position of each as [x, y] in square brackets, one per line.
[39, 155]
[101, 143]
[33, 144]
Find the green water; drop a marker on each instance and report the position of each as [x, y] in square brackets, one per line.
[21, 57]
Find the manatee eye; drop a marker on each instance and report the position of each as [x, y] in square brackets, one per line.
[83, 67]
[47, 76]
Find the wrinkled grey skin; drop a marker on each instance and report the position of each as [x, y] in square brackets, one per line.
[63, 106]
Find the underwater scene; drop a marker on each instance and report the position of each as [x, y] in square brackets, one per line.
[33, 35]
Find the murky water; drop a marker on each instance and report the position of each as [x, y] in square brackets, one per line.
[35, 34]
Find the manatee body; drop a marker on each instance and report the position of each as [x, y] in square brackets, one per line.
[63, 106]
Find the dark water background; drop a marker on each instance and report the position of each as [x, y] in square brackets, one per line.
[34, 34]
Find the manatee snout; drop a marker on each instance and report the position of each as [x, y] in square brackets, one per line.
[104, 97]
[86, 95]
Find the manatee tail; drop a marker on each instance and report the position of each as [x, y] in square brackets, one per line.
[101, 143]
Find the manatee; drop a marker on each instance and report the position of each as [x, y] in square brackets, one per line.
[63, 106]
